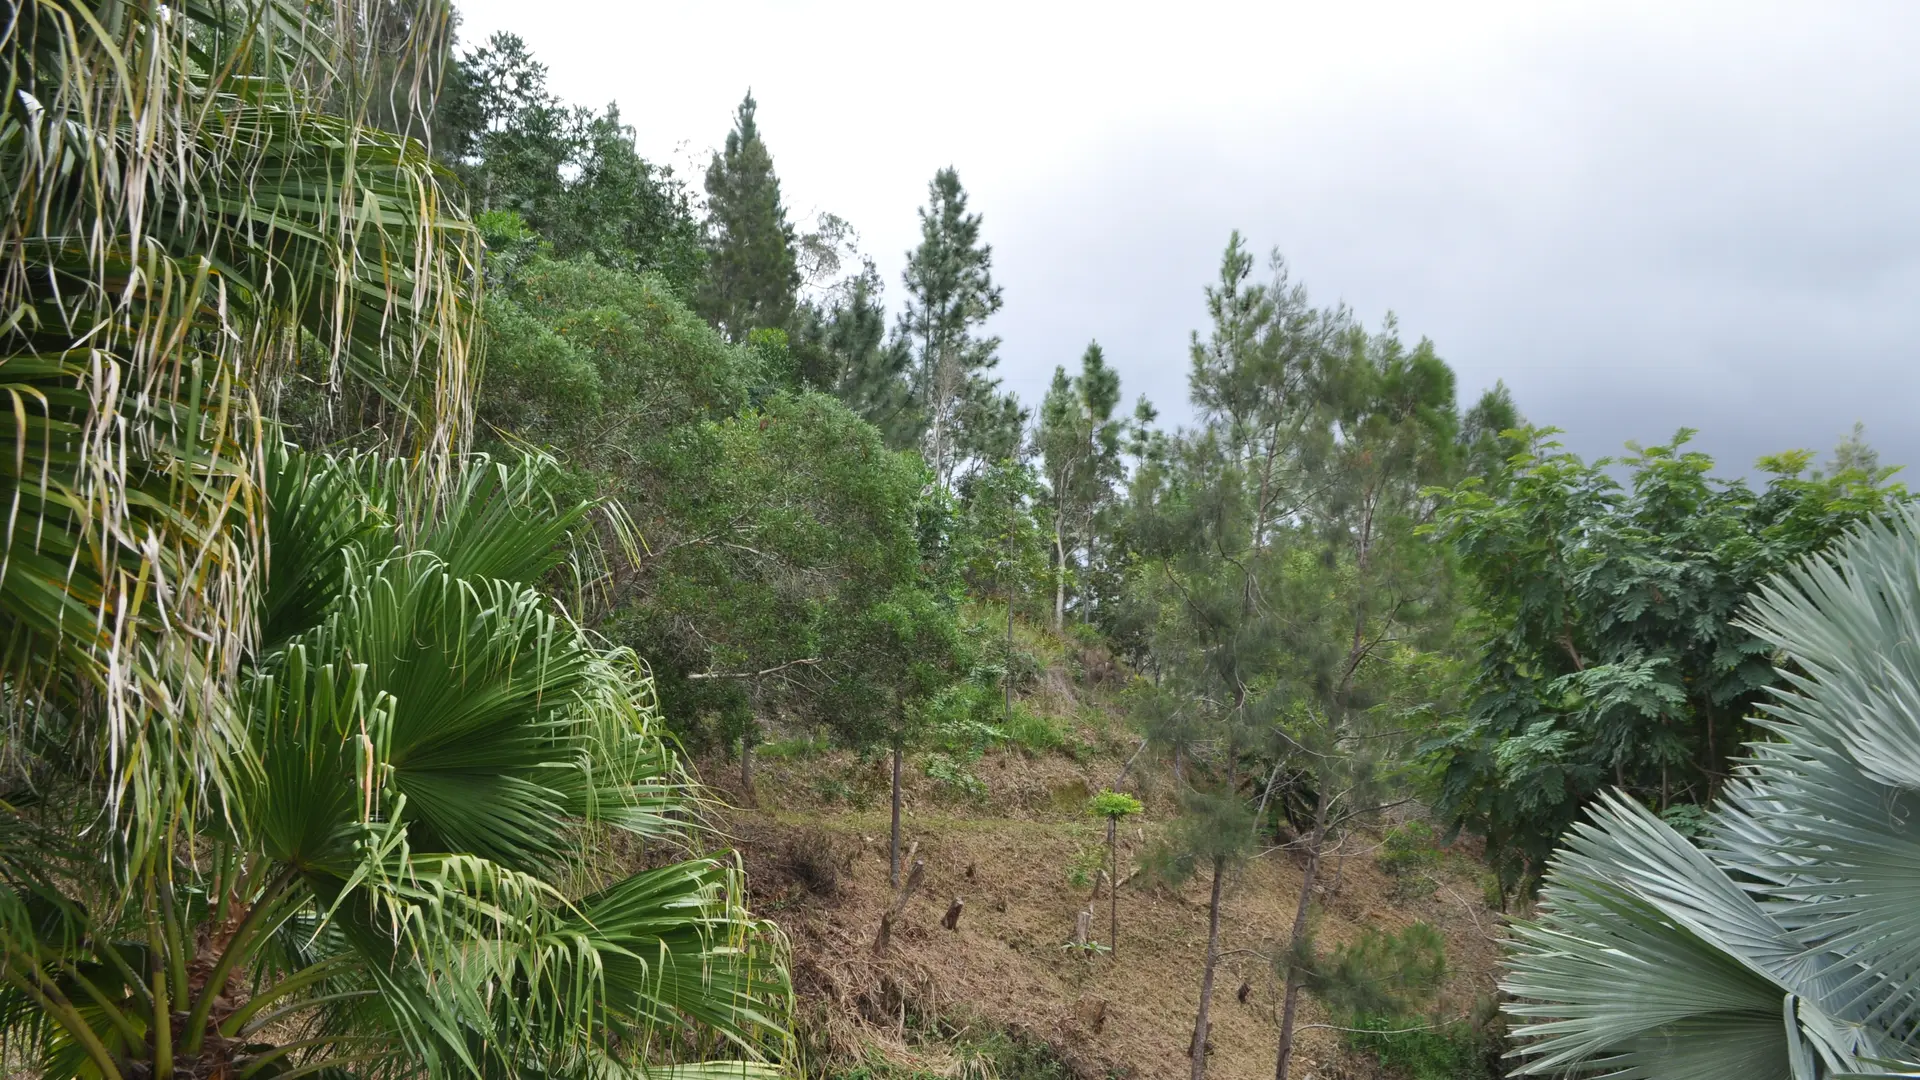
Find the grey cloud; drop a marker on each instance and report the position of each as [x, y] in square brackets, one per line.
[1721, 232]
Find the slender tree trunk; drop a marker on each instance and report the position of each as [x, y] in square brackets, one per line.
[893, 865]
[1266, 792]
[1206, 975]
[1296, 941]
[1006, 677]
[1059, 576]
[1113, 888]
[746, 770]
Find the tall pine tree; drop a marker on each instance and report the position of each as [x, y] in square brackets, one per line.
[950, 296]
[752, 277]
[1079, 442]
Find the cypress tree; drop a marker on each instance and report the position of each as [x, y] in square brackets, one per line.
[752, 276]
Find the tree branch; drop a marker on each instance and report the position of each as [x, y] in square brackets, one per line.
[753, 674]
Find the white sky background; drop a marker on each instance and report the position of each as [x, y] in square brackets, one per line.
[1639, 215]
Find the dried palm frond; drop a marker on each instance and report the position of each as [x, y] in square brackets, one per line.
[194, 197]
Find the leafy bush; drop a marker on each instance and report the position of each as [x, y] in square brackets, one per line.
[1086, 866]
[1403, 1045]
[1687, 819]
[1034, 733]
[1021, 1057]
[957, 774]
[1383, 983]
[1410, 853]
[833, 789]
[1383, 972]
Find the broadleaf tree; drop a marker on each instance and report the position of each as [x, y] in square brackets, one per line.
[1610, 652]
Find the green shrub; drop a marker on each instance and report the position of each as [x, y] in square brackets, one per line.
[1687, 819]
[1410, 853]
[1086, 866]
[1034, 733]
[1382, 972]
[956, 774]
[1021, 1057]
[1414, 1048]
[832, 789]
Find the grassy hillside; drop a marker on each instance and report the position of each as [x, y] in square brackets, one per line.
[1007, 835]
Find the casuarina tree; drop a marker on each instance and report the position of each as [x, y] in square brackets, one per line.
[1079, 442]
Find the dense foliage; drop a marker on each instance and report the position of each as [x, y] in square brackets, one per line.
[347, 674]
[1781, 943]
[1611, 657]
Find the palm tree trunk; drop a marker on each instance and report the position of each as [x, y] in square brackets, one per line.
[1206, 976]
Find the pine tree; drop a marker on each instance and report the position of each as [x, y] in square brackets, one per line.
[1080, 445]
[950, 295]
[844, 350]
[752, 276]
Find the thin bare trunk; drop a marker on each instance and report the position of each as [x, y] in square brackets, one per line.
[1113, 888]
[1266, 792]
[893, 865]
[1295, 943]
[1206, 977]
[746, 770]
[1006, 677]
[1059, 577]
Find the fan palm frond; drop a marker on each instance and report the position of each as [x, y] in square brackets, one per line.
[192, 202]
[1788, 943]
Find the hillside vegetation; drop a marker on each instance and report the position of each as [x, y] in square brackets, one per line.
[415, 494]
[1003, 826]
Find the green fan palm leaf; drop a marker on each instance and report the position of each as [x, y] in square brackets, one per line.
[191, 205]
[302, 774]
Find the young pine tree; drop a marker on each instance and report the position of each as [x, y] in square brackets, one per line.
[752, 276]
[950, 296]
[1080, 443]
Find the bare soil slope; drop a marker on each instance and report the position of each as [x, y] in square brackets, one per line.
[815, 842]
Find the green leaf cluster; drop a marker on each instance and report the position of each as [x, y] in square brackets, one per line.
[1611, 652]
[1781, 942]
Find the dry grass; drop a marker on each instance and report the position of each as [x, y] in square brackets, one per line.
[1007, 857]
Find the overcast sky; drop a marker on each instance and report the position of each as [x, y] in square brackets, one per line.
[1638, 215]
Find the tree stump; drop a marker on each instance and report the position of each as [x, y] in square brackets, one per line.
[914, 878]
[1082, 929]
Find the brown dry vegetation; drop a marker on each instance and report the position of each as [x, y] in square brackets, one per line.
[815, 845]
